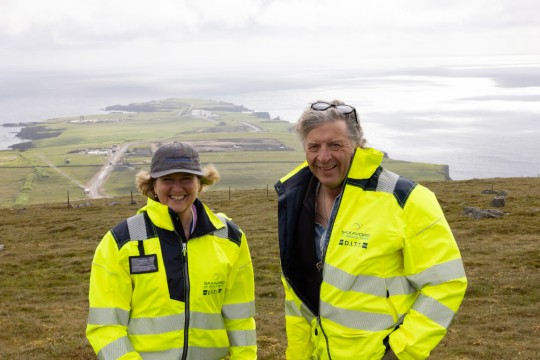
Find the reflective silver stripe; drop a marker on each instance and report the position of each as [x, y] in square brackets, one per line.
[434, 310]
[438, 274]
[194, 353]
[238, 311]
[137, 227]
[199, 320]
[157, 325]
[163, 324]
[199, 353]
[224, 231]
[347, 282]
[356, 319]
[292, 310]
[372, 285]
[399, 285]
[242, 337]
[387, 181]
[116, 349]
[108, 316]
[172, 354]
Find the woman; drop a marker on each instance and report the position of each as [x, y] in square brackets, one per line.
[176, 280]
[369, 264]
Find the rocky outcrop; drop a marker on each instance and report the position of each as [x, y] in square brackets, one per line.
[477, 213]
[498, 201]
[500, 197]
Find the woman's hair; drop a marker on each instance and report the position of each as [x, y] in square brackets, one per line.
[145, 183]
[311, 119]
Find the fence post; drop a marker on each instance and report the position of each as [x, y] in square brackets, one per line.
[68, 199]
[229, 192]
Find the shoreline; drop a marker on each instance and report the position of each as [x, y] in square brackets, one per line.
[479, 166]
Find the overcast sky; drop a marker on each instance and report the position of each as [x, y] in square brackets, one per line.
[426, 69]
[256, 35]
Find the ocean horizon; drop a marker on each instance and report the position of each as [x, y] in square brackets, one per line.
[479, 117]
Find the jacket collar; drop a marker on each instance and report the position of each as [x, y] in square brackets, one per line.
[363, 165]
[162, 217]
[159, 214]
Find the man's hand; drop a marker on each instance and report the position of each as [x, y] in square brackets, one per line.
[389, 355]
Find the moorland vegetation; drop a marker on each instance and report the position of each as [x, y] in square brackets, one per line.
[48, 249]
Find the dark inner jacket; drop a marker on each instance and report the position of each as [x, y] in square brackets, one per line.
[300, 260]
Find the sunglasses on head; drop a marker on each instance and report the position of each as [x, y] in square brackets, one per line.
[342, 108]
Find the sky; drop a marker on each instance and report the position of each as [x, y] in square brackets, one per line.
[458, 73]
[256, 36]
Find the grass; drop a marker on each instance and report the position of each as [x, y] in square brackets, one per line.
[44, 271]
[238, 170]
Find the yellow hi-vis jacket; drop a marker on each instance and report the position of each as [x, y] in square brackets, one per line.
[392, 274]
[155, 296]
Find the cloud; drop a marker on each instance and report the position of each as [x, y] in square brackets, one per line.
[261, 34]
[526, 98]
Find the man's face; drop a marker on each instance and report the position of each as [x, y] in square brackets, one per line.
[329, 153]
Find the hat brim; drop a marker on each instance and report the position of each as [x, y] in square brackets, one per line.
[157, 174]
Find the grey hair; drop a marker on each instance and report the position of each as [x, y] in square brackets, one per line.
[145, 183]
[311, 119]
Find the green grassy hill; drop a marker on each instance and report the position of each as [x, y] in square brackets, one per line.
[48, 248]
[251, 150]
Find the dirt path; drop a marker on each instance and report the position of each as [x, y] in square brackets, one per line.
[54, 167]
[255, 128]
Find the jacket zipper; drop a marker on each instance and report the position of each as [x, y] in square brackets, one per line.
[325, 337]
[186, 294]
[185, 269]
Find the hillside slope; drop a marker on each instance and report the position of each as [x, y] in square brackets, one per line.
[48, 249]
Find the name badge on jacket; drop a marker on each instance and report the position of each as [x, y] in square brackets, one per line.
[143, 264]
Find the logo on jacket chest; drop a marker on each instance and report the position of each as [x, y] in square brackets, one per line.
[214, 286]
[353, 236]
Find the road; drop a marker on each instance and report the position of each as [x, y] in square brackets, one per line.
[94, 188]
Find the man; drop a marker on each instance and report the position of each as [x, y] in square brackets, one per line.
[369, 264]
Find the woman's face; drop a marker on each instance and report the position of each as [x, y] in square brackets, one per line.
[178, 191]
[329, 152]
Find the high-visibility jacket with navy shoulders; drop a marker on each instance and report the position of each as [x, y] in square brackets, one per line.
[155, 296]
[392, 274]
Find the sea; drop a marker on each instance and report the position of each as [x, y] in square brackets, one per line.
[479, 116]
